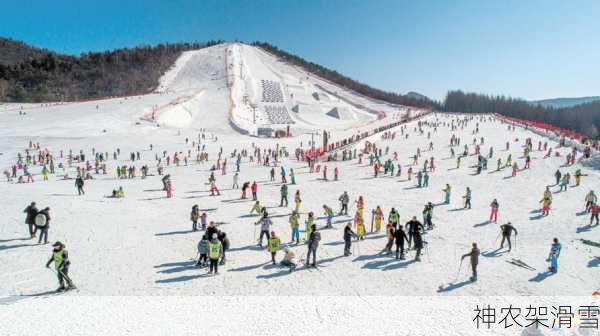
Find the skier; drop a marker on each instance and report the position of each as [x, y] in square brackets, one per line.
[428, 215]
[164, 180]
[309, 223]
[553, 256]
[194, 216]
[169, 189]
[507, 230]
[399, 238]
[256, 208]
[557, 175]
[245, 187]
[288, 259]
[265, 227]
[297, 201]
[329, 213]
[447, 191]
[215, 250]
[595, 209]
[284, 195]
[344, 200]
[467, 198]
[378, 219]
[474, 256]
[31, 211]
[254, 189]
[222, 236]
[60, 257]
[494, 211]
[546, 202]
[235, 181]
[274, 245]
[313, 244]
[389, 232]
[348, 234]
[590, 199]
[578, 175]
[394, 218]
[295, 225]
[414, 227]
[79, 184]
[42, 223]
[202, 251]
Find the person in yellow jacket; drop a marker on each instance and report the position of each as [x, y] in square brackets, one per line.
[60, 257]
[256, 208]
[295, 225]
[378, 218]
[274, 246]
[45, 173]
[360, 229]
[215, 250]
[360, 205]
[297, 200]
[309, 223]
[578, 177]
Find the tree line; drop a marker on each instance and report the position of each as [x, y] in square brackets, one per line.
[47, 76]
[583, 118]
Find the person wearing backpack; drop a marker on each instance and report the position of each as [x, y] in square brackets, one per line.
[313, 244]
[215, 249]
[274, 245]
[42, 223]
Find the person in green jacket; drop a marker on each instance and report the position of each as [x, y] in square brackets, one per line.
[60, 257]
[394, 218]
[274, 246]
[284, 195]
[215, 250]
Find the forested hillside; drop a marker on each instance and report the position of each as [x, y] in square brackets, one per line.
[28, 74]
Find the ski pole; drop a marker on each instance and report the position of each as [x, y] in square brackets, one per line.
[458, 272]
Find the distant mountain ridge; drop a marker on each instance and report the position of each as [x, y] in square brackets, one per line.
[566, 102]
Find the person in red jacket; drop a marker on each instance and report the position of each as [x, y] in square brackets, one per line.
[254, 189]
[595, 212]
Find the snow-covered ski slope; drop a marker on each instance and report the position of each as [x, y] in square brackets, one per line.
[255, 90]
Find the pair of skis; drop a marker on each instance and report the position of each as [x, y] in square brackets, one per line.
[520, 263]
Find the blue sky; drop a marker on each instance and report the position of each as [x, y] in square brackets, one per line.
[530, 49]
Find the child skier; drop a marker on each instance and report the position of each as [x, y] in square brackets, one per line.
[494, 210]
[553, 256]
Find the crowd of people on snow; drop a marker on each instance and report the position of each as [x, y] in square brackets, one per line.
[399, 240]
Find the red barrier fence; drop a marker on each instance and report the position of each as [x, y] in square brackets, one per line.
[543, 126]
